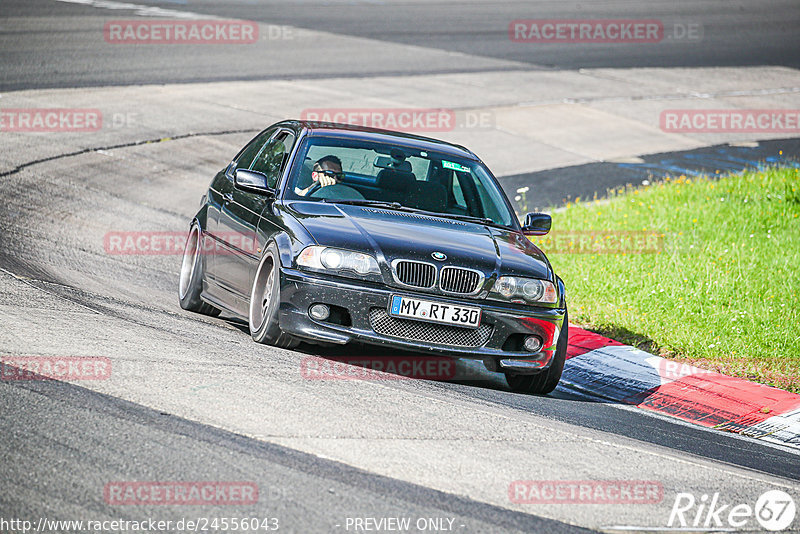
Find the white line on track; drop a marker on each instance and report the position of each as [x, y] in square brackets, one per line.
[141, 10]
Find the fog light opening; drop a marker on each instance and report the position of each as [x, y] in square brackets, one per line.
[320, 312]
[533, 343]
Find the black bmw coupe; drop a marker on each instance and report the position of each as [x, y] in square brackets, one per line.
[331, 233]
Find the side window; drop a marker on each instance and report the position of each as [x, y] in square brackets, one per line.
[272, 156]
[248, 153]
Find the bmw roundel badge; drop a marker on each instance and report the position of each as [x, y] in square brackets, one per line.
[439, 256]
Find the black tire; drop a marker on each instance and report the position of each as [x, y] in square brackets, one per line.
[546, 381]
[190, 283]
[265, 297]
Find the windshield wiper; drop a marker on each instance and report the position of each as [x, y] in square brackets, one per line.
[400, 207]
[466, 218]
[456, 216]
[358, 202]
[470, 218]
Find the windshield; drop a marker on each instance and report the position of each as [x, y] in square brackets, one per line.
[355, 171]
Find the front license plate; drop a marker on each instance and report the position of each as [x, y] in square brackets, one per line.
[436, 312]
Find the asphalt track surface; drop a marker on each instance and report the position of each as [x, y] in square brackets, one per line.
[54, 44]
[306, 493]
[193, 399]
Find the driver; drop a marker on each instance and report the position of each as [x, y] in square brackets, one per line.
[326, 171]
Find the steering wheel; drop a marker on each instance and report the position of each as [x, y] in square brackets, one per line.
[337, 191]
[313, 189]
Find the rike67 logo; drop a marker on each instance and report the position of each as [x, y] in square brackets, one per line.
[774, 510]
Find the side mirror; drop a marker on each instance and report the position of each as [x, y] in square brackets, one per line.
[537, 224]
[252, 181]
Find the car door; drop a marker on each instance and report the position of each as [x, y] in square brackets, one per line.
[219, 194]
[239, 218]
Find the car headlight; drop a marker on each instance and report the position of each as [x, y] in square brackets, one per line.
[524, 290]
[336, 259]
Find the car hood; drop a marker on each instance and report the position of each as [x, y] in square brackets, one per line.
[390, 234]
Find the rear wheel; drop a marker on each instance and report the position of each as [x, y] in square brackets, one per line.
[190, 284]
[265, 298]
[546, 381]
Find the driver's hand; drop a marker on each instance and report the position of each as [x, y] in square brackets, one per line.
[323, 179]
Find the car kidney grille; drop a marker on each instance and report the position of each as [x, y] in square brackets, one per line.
[415, 274]
[439, 334]
[455, 280]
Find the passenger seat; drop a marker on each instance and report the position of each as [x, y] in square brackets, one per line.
[428, 196]
[394, 184]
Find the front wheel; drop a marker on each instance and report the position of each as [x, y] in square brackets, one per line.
[190, 284]
[546, 381]
[265, 299]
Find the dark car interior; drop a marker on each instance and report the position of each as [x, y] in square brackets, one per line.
[395, 182]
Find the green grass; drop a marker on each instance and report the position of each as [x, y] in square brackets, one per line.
[713, 280]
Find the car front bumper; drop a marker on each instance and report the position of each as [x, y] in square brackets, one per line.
[369, 322]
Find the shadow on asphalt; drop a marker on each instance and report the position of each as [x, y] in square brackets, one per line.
[356, 361]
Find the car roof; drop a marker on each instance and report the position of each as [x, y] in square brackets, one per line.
[351, 131]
